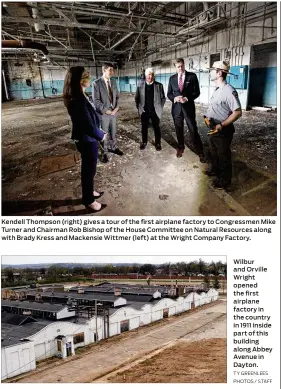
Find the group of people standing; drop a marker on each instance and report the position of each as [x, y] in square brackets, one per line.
[94, 121]
[183, 89]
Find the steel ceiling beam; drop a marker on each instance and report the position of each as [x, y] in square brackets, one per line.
[92, 7]
[62, 23]
[60, 13]
[121, 14]
[121, 40]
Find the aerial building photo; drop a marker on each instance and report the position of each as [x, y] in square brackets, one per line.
[131, 319]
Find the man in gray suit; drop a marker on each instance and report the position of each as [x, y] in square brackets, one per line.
[105, 98]
[150, 100]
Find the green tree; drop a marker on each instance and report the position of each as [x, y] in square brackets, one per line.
[55, 272]
[10, 275]
[148, 268]
[192, 268]
[78, 270]
[164, 268]
[206, 281]
[135, 268]
[216, 283]
[202, 266]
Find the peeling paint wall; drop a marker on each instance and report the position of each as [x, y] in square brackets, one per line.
[24, 81]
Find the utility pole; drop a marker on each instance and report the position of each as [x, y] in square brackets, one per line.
[96, 316]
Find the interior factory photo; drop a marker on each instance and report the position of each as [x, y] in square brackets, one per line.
[83, 322]
[139, 108]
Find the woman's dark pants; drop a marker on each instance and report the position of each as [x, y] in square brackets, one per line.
[89, 156]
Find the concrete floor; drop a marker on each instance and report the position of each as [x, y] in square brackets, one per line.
[139, 183]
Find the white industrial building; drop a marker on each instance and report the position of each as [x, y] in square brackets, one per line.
[26, 340]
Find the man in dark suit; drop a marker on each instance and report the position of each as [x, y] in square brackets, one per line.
[105, 98]
[183, 89]
[150, 99]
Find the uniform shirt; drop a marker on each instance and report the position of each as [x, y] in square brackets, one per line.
[224, 101]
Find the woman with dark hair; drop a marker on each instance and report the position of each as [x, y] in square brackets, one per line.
[85, 131]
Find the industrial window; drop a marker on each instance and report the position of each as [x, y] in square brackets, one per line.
[124, 326]
[214, 58]
[78, 338]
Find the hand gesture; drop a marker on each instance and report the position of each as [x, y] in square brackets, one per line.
[215, 130]
[114, 112]
[177, 99]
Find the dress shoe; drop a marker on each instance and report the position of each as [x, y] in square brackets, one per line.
[202, 158]
[158, 147]
[93, 208]
[98, 196]
[179, 153]
[117, 152]
[104, 159]
[142, 146]
[220, 186]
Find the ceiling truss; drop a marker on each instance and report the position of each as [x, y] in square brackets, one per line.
[97, 32]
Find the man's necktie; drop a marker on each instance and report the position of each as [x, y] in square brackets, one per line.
[110, 92]
[180, 83]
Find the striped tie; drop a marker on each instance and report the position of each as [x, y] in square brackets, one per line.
[180, 83]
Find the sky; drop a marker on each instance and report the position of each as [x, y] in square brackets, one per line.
[38, 259]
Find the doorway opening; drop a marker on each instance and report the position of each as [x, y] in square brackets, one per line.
[263, 76]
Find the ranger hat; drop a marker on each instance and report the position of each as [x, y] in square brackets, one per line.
[221, 65]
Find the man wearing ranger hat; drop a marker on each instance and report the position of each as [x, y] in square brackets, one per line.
[224, 109]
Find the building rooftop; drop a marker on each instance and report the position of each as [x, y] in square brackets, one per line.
[136, 304]
[77, 296]
[32, 305]
[15, 319]
[124, 288]
[138, 298]
[12, 334]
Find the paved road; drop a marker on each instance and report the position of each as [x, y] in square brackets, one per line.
[113, 354]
